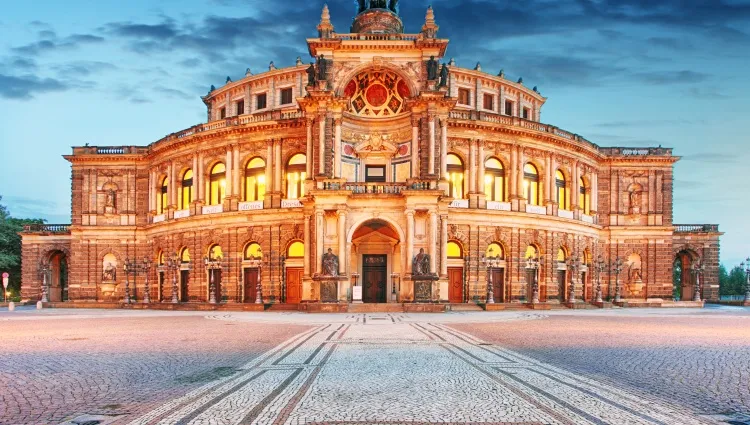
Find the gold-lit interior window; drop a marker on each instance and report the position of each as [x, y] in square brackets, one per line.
[454, 250]
[584, 198]
[296, 250]
[215, 252]
[186, 194]
[494, 180]
[562, 191]
[455, 176]
[495, 250]
[255, 180]
[185, 255]
[561, 256]
[160, 258]
[295, 176]
[217, 184]
[253, 251]
[531, 252]
[161, 207]
[531, 184]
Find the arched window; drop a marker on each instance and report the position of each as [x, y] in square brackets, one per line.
[295, 176]
[531, 184]
[561, 255]
[295, 250]
[253, 251]
[185, 255]
[495, 250]
[255, 180]
[161, 207]
[186, 193]
[531, 252]
[454, 250]
[562, 191]
[160, 258]
[584, 198]
[494, 180]
[586, 257]
[217, 184]
[215, 252]
[455, 176]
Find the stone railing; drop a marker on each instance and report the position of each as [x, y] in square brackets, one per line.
[47, 228]
[635, 152]
[696, 228]
[377, 37]
[360, 188]
[110, 150]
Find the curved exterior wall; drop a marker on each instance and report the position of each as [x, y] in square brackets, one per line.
[408, 128]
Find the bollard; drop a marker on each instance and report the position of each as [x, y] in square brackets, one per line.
[11, 306]
[39, 305]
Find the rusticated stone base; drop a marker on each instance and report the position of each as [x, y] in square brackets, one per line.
[424, 308]
[603, 304]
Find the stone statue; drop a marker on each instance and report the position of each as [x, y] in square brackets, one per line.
[322, 68]
[635, 203]
[311, 75]
[212, 89]
[635, 275]
[362, 6]
[330, 264]
[444, 76]
[432, 69]
[377, 4]
[111, 199]
[421, 264]
[110, 273]
[392, 5]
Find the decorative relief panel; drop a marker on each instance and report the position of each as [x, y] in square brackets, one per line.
[377, 94]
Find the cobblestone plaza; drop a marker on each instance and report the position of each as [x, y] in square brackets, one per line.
[558, 367]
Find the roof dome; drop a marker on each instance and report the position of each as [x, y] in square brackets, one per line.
[377, 17]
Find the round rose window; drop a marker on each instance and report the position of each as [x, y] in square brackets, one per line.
[377, 94]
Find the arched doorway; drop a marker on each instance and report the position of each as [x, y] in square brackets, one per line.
[682, 276]
[58, 277]
[376, 256]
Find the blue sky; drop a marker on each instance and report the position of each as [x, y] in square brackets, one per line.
[619, 72]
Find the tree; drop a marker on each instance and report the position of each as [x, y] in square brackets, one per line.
[733, 282]
[10, 245]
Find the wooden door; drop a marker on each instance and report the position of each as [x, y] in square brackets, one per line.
[498, 285]
[294, 285]
[374, 278]
[184, 284]
[251, 285]
[161, 286]
[561, 287]
[455, 284]
[688, 287]
[586, 287]
[218, 287]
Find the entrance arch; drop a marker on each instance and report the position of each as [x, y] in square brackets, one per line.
[682, 276]
[58, 276]
[377, 254]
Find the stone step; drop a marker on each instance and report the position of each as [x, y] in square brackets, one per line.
[464, 307]
[283, 307]
[376, 308]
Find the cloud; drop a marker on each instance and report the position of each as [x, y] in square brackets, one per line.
[170, 92]
[51, 43]
[27, 86]
[671, 77]
[83, 68]
[648, 123]
[713, 157]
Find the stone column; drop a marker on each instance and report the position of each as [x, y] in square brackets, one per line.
[444, 245]
[472, 166]
[433, 241]
[444, 148]
[269, 166]
[201, 180]
[306, 241]
[576, 189]
[319, 248]
[229, 175]
[322, 144]
[431, 150]
[277, 166]
[409, 239]
[309, 162]
[237, 172]
[343, 264]
[337, 148]
[151, 189]
[594, 192]
[519, 178]
[512, 174]
[415, 172]
[194, 194]
[480, 167]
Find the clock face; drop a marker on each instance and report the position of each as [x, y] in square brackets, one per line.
[377, 94]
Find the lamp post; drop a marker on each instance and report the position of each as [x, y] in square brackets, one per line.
[395, 277]
[533, 263]
[257, 262]
[617, 266]
[44, 270]
[698, 269]
[173, 264]
[491, 261]
[600, 266]
[574, 265]
[212, 264]
[746, 266]
[146, 269]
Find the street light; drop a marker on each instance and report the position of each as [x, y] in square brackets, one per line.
[212, 264]
[533, 263]
[395, 277]
[146, 268]
[617, 267]
[491, 261]
[698, 269]
[600, 266]
[574, 265]
[130, 267]
[44, 270]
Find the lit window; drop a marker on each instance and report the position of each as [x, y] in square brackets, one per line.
[185, 255]
[494, 180]
[286, 96]
[217, 184]
[215, 252]
[531, 184]
[160, 258]
[255, 180]
[295, 176]
[163, 197]
[495, 250]
[253, 251]
[561, 255]
[295, 250]
[463, 97]
[531, 252]
[455, 176]
[562, 191]
[584, 198]
[187, 190]
[454, 250]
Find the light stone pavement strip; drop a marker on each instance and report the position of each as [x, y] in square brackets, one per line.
[393, 368]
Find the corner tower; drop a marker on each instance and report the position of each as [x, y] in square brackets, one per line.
[377, 17]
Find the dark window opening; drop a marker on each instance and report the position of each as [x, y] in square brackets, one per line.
[222, 113]
[375, 174]
[286, 96]
[240, 107]
[260, 101]
[463, 96]
[489, 102]
[526, 113]
[508, 107]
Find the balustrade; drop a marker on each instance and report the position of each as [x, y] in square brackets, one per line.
[696, 228]
[46, 228]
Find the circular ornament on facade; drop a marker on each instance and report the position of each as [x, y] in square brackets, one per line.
[377, 94]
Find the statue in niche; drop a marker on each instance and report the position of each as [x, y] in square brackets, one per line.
[330, 264]
[635, 275]
[311, 75]
[110, 273]
[322, 68]
[111, 201]
[421, 264]
[635, 202]
[444, 76]
[432, 69]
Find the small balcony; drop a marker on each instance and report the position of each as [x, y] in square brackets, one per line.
[370, 188]
[47, 229]
[696, 228]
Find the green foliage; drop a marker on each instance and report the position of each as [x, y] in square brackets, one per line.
[10, 245]
[733, 282]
